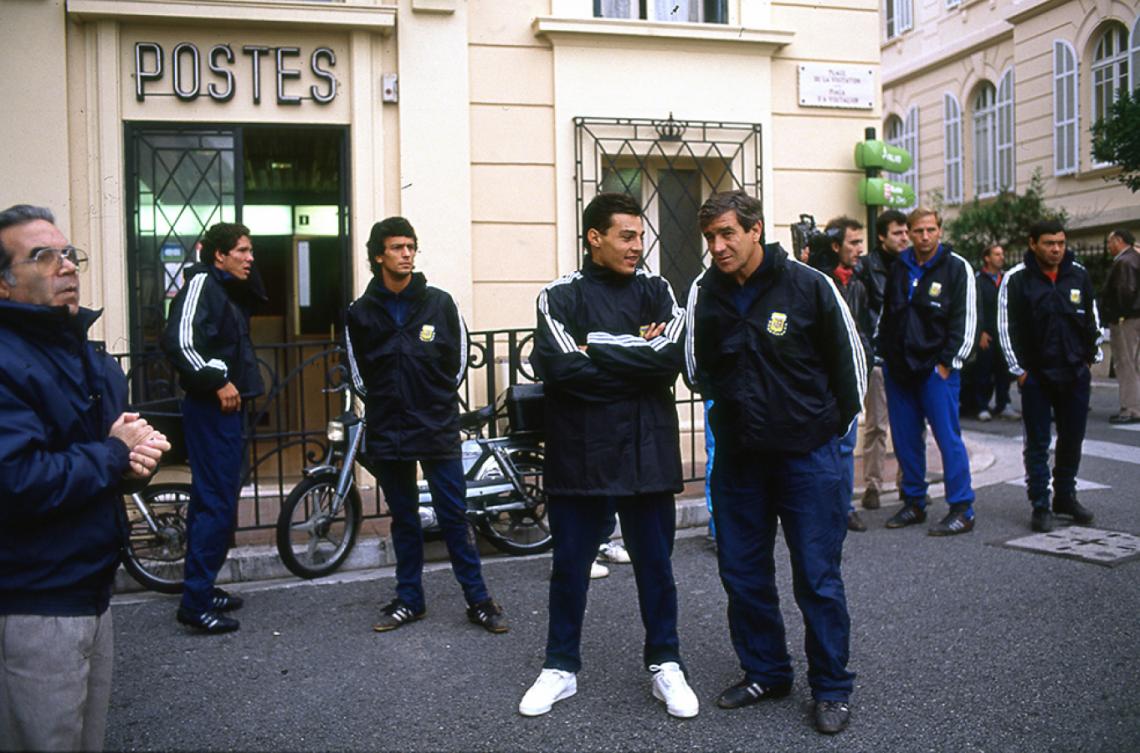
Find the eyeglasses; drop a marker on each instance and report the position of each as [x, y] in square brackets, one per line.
[49, 260]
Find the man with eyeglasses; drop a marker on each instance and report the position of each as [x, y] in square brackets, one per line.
[926, 332]
[407, 349]
[207, 339]
[68, 452]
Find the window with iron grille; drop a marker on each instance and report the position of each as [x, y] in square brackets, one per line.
[691, 11]
[1065, 109]
[671, 167]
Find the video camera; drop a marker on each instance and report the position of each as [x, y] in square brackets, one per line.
[806, 234]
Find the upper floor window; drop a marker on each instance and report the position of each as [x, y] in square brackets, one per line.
[899, 16]
[904, 134]
[952, 125]
[1005, 174]
[985, 140]
[1134, 55]
[1065, 111]
[952, 3]
[1109, 69]
[692, 11]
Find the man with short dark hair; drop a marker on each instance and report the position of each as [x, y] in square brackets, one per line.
[608, 350]
[926, 332]
[772, 343]
[1050, 334]
[1122, 312]
[890, 230]
[68, 452]
[207, 339]
[407, 348]
[991, 374]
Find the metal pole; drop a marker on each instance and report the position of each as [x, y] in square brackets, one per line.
[872, 172]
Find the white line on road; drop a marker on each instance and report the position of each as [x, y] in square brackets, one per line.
[1111, 451]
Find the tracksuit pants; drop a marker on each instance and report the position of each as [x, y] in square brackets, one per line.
[910, 406]
[648, 523]
[847, 463]
[752, 493]
[1042, 403]
[397, 479]
[993, 377]
[216, 448]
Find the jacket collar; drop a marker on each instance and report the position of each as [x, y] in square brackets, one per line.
[251, 290]
[1032, 266]
[49, 323]
[598, 273]
[415, 290]
[909, 258]
[775, 259]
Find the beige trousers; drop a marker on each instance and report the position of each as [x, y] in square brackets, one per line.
[1126, 355]
[875, 427]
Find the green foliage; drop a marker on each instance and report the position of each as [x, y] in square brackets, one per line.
[1116, 139]
[1003, 219]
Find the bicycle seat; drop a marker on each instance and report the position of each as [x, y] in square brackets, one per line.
[476, 419]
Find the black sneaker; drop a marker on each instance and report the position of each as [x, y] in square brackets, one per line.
[954, 523]
[832, 716]
[1072, 508]
[1042, 520]
[1122, 419]
[909, 515]
[208, 621]
[222, 601]
[489, 616]
[871, 499]
[854, 522]
[395, 614]
[746, 693]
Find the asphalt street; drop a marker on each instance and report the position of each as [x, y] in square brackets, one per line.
[960, 644]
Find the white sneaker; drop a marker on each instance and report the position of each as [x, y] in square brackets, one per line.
[984, 415]
[1009, 413]
[598, 570]
[670, 687]
[613, 551]
[552, 686]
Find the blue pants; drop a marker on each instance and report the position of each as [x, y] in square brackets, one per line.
[648, 523]
[909, 407]
[397, 479]
[214, 444]
[847, 463]
[1041, 404]
[992, 377]
[710, 454]
[805, 493]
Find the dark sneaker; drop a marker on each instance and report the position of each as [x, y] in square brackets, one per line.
[871, 499]
[1042, 521]
[954, 523]
[746, 693]
[209, 622]
[222, 601]
[395, 614]
[909, 515]
[854, 522]
[1073, 509]
[1124, 418]
[832, 716]
[488, 615]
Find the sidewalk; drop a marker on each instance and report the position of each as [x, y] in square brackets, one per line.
[991, 461]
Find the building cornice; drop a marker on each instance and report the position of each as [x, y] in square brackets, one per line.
[997, 31]
[380, 19]
[578, 30]
[1023, 11]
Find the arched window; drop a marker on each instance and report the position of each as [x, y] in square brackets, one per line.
[985, 140]
[1134, 55]
[1109, 70]
[1005, 174]
[952, 139]
[904, 134]
[1065, 111]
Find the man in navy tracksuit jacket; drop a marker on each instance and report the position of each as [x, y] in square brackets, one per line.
[68, 453]
[407, 348]
[608, 349]
[773, 344]
[926, 332]
[207, 339]
[1050, 334]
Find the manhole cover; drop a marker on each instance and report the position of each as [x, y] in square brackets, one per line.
[1108, 548]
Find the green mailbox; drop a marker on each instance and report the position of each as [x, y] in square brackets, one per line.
[880, 192]
[880, 155]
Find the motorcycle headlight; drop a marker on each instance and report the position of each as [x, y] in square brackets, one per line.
[335, 431]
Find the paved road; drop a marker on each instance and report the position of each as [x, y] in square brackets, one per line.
[959, 644]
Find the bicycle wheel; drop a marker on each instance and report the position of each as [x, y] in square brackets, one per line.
[155, 555]
[313, 539]
[521, 527]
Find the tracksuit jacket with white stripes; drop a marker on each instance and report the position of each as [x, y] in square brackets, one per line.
[929, 317]
[788, 372]
[1049, 328]
[611, 422]
[207, 335]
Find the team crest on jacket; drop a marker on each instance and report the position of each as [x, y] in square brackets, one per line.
[642, 330]
[778, 323]
[427, 333]
[1075, 296]
[935, 289]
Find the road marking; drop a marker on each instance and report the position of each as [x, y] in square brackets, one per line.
[1126, 427]
[1111, 451]
[1082, 485]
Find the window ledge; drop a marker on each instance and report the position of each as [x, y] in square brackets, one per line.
[561, 30]
[322, 15]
